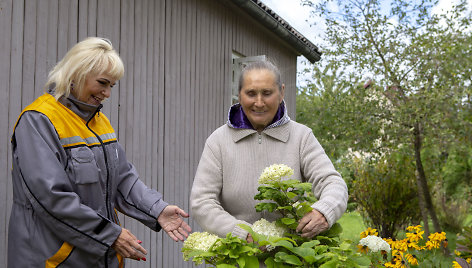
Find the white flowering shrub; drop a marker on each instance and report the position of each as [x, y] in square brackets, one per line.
[270, 229]
[375, 243]
[277, 244]
[275, 173]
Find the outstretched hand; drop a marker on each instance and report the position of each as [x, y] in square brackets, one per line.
[312, 224]
[171, 221]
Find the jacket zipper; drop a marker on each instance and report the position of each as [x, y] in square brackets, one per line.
[107, 203]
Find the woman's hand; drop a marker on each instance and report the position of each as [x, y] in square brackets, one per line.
[171, 221]
[312, 224]
[128, 246]
[249, 238]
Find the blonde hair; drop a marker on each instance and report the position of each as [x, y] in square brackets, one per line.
[92, 56]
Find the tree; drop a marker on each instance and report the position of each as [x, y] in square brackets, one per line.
[417, 65]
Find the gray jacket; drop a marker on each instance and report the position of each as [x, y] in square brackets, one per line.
[66, 187]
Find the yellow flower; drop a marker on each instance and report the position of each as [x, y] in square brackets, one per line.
[411, 259]
[437, 237]
[400, 245]
[362, 249]
[368, 232]
[456, 265]
[468, 260]
[412, 244]
[416, 228]
[457, 252]
[432, 244]
[415, 236]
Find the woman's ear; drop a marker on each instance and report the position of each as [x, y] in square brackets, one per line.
[282, 93]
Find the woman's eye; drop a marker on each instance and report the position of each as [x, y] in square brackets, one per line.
[102, 82]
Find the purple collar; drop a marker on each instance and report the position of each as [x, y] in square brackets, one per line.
[238, 119]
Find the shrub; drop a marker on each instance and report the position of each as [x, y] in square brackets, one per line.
[386, 192]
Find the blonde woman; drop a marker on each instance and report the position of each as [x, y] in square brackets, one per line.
[70, 174]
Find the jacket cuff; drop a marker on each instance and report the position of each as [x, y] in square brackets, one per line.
[156, 210]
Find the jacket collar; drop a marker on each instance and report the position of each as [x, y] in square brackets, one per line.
[239, 122]
[83, 110]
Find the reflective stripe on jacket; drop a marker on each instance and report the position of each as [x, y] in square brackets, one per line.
[68, 178]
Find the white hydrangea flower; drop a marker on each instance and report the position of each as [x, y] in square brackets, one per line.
[375, 243]
[200, 241]
[274, 173]
[267, 228]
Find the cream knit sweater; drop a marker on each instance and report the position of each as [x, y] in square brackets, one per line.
[225, 183]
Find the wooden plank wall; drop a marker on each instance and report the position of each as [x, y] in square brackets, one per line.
[175, 92]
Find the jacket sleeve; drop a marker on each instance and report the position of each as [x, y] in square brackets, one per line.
[328, 186]
[134, 198]
[204, 198]
[41, 161]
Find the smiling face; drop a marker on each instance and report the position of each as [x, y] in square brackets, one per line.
[260, 97]
[95, 90]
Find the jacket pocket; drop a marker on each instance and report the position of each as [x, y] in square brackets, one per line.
[84, 165]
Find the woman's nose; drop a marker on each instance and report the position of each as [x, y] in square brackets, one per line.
[107, 92]
[259, 101]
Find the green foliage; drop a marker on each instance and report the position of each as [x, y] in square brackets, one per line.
[385, 190]
[392, 78]
[464, 246]
[292, 199]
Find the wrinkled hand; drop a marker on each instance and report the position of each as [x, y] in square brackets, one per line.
[128, 246]
[171, 221]
[312, 224]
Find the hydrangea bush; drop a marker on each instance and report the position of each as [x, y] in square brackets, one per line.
[277, 244]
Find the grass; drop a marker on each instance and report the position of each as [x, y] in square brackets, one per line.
[353, 225]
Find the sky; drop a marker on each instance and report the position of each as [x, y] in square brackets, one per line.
[299, 18]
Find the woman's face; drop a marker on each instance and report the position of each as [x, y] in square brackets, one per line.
[96, 89]
[260, 97]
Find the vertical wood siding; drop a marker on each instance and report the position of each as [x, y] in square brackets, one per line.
[175, 92]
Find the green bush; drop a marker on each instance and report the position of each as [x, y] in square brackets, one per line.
[385, 190]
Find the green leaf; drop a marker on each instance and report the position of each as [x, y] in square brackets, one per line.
[251, 262]
[291, 195]
[286, 258]
[283, 243]
[287, 221]
[330, 264]
[310, 244]
[361, 260]
[266, 206]
[305, 253]
[224, 265]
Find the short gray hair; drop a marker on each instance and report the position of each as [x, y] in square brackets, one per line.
[260, 65]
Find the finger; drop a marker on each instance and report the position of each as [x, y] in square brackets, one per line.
[171, 235]
[301, 224]
[182, 232]
[186, 228]
[183, 213]
[178, 235]
[140, 248]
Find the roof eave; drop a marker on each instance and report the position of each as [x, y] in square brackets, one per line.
[281, 28]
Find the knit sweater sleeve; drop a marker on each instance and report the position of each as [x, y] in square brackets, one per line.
[205, 196]
[328, 186]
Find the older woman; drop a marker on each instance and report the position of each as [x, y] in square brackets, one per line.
[259, 133]
[70, 174]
